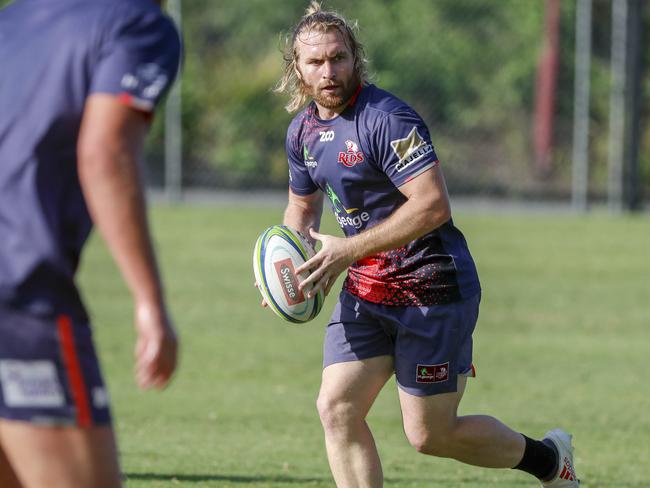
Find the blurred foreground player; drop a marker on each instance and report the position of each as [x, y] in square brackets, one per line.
[79, 82]
[411, 297]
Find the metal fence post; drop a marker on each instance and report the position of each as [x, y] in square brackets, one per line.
[173, 127]
[632, 172]
[580, 180]
[617, 105]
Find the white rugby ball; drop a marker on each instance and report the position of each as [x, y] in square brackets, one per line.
[279, 250]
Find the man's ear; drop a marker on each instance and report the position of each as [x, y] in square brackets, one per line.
[298, 73]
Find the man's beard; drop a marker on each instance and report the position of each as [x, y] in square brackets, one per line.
[330, 100]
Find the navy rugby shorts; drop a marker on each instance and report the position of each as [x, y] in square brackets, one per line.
[431, 346]
[49, 372]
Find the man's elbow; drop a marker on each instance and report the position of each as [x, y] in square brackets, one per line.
[438, 214]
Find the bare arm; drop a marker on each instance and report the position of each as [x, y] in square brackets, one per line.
[426, 208]
[304, 212]
[109, 148]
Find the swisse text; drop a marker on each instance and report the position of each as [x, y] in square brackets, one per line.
[287, 277]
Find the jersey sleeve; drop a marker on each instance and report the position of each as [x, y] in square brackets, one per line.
[300, 181]
[402, 145]
[139, 61]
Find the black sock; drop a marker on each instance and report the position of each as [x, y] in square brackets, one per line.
[540, 459]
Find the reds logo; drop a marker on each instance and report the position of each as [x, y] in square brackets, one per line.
[432, 373]
[351, 156]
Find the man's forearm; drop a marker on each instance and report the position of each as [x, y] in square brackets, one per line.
[410, 221]
[113, 193]
[302, 217]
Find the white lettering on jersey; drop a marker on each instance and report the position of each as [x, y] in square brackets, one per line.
[326, 136]
[356, 221]
[410, 149]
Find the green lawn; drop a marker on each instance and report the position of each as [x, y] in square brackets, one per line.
[562, 340]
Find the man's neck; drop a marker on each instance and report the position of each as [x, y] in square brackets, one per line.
[329, 113]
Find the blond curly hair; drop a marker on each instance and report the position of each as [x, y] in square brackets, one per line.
[316, 19]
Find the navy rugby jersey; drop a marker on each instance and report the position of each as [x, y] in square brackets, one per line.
[359, 160]
[53, 54]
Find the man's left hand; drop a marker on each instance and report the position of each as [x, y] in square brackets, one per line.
[334, 257]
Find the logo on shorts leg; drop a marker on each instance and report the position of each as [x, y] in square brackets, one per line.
[30, 384]
[432, 373]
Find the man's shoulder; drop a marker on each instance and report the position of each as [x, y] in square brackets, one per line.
[94, 21]
[124, 7]
[381, 103]
[113, 18]
[137, 14]
[301, 119]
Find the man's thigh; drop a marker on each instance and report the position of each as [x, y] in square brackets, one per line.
[8, 477]
[357, 359]
[64, 457]
[433, 347]
[354, 385]
[433, 414]
[55, 424]
[354, 334]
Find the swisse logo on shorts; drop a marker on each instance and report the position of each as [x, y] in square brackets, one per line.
[432, 373]
[287, 276]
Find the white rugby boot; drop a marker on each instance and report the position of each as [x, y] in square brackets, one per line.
[566, 475]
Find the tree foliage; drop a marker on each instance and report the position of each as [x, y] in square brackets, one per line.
[467, 66]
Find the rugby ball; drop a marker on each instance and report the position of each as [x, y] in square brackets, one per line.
[279, 250]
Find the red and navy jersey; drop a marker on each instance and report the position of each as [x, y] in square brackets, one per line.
[53, 55]
[359, 160]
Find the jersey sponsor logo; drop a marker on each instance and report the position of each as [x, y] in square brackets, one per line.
[351, 156]
[308, 159]
[287, 276]
[149, 79]
[30, 384]
[326, 136]
[410, 150]
[432, 373]
[346, 217]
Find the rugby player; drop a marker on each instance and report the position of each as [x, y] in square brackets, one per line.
[410, 300]
[80, 81]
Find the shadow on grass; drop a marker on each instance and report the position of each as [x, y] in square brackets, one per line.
[306, 481]
[198, 478]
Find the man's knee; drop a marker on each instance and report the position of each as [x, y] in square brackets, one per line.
[335, 413]
[430, 442]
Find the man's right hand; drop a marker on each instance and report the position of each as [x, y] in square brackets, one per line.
[263, 303]
[156, 347]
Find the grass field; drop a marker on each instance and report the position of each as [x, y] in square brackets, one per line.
[563, 339]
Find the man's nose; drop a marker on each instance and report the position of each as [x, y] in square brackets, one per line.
[328, 70]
